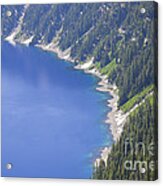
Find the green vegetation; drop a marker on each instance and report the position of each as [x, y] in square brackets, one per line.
[98, 65]
[123, 42]
[10, 22]
[137, 147]
[137, 99]
[108, 69]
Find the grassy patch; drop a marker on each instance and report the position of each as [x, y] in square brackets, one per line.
[136, 99]
[98, 65]
[107, 70]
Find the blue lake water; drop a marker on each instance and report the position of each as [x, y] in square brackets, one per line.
[52, 116]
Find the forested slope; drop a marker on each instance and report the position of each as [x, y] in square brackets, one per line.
[121, 38]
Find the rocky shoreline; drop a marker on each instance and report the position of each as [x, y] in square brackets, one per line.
[115, 118]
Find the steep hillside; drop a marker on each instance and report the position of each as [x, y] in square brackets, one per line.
[120, 39]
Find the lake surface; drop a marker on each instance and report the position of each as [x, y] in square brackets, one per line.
[52, 116]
